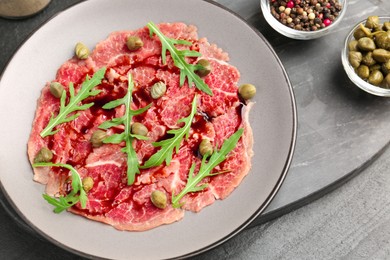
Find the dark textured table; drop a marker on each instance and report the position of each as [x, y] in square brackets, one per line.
[341, 129]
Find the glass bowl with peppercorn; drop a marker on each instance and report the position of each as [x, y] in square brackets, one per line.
[366, 55]
[303, 19]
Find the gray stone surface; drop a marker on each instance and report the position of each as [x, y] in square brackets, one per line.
[352, 222]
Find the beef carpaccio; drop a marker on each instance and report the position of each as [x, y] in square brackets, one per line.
[111, 200]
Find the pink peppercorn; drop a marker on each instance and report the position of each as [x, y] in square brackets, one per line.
[290, 4]
[327, 22]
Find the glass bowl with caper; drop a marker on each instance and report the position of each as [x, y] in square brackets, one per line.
[303, 20]
[366, 55]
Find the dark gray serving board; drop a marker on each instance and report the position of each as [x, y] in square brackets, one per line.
[340, 128]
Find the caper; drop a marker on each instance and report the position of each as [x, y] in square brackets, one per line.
[361, 32]
[387, 80]
[382, 40]
[375, 78]
[368, 59]
[247, 91]
[158, 90]
[386, 67]
[203, 72]
[87, 183]
[134, 43]
[97, 138]
[363, 71]
[386, 26]
[353, 45]
[81, 51]
[139, 129]
[372, 22]
[366, 44]
[56, 89]
[44, 155]
[205, 147]
[381, 55]
[375, 67]
[159, 199]
[355, 58]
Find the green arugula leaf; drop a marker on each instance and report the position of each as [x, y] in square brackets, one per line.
[168, 145]
[73, 105]
[206, 167]
[77, 194]
[126, 136]
[178, 56]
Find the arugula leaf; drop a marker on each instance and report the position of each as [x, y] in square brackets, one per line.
[126, 135]
[168, 145]
[77, 194]
[73, 105]
[206, 167]
[178, 56]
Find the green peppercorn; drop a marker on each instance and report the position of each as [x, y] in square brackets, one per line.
[44, 155]
[81, 50]
[159, 199]
[133, 43]
[56, 89]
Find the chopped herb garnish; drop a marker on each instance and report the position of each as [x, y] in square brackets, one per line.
[77, 194]
[179, 58]
[126, 136]
[206, 167]
[64, 115]
[168, 145]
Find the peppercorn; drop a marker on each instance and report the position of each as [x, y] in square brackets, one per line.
[306, 15]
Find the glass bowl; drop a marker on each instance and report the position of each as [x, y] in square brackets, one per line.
[364, 85]
[297, 34]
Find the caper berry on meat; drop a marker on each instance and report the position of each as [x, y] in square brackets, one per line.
[139, 129]
[355, 58]
[205, 147]
[159, 199]
[44, 155]
[81, 50]
[87, 183]
[97, 138]
[56, 89]
[375, 78]
[158, 90]
[363, 71]
[203, 72]
[134, 43]
[247, 91]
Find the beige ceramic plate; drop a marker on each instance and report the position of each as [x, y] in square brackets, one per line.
[273, 119]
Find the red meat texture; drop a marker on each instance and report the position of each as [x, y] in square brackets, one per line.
[111, 200]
